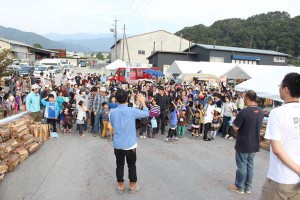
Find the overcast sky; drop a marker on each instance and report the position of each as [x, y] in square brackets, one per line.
[96, 16]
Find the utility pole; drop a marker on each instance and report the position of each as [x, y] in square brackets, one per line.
[180, 41]
[123, 48]
[114, 30]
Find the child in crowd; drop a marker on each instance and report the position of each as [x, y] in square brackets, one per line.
[51, 110]
[113, 103]
[66, 117]
[181, 123]
[105, 118]
[5, 105]
[201, 114]
[216, 123]
[11, 100]
[173, 124]
[230, 135]
[81, 117]
[17, 102]
[196, 124]
[153, 115]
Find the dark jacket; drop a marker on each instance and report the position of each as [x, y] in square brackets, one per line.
[162, 101]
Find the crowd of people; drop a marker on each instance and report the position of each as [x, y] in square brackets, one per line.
[160, 107]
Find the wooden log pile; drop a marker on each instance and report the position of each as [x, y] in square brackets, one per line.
[18, 140]
[265, 144]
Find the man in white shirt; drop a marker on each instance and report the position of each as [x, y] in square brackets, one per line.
[283, 179]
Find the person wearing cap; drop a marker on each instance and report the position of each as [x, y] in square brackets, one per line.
[97, 108]
[162, 101]
[33, 101]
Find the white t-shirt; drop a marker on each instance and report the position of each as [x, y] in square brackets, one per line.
[209, 113]
[284, 125]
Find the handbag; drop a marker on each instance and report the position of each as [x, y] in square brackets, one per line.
[153, 122]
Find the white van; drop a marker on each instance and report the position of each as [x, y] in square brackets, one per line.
[52, 62]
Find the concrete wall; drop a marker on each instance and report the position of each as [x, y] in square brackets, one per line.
[164, 41]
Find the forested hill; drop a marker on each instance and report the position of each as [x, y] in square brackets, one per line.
[271, 31]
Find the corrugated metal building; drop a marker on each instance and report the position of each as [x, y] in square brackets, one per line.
[222, 54]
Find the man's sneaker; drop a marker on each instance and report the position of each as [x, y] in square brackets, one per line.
[230, 138]
[248, 191]
[134, 190]
[176, 139]
[226, 136]
[233, 188]
[121, 188]
[167, 139]
[95, 135]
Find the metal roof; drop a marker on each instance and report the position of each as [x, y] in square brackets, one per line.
[26, 45]
[171, 52]
[239, 49]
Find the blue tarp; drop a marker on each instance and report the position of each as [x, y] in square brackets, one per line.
[154, 72]
[240, 57]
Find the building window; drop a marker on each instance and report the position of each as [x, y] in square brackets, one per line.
[217, 59]
[248, 62]
[122, 72]
[141, 52]
[278, 59]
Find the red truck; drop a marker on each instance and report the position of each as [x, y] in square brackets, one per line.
[136, 73]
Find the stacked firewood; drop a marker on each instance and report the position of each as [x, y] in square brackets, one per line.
[18, 140]
[265, 144]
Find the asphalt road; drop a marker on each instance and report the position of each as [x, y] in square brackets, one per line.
[74, 168]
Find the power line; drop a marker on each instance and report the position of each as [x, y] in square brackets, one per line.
[137, 9]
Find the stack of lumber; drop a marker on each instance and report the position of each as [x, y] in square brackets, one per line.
[18, 140]
[265, 144]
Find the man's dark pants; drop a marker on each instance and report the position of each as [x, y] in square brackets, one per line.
[161, 121]
[130, 156]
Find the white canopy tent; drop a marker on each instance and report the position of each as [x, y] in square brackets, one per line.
[114, 65]
[266, 85]
[230, 70]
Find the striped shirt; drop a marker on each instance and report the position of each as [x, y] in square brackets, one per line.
[154, 111]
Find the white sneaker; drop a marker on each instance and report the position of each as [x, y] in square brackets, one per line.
[141, 136]
[145, 137]
[167, 139]
[230, 138]
[226, 136]
[176, 139]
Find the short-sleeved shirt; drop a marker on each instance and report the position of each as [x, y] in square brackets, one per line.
[249, 121]
[284, 126]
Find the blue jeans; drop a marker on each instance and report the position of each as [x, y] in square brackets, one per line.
[97, 124]
[244, 172]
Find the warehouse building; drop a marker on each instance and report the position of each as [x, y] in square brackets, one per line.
[140, 47]
[22, 51]
[221, 54]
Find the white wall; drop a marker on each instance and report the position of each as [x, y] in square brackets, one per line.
[164, 41]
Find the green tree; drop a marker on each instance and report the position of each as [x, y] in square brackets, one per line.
[37, 45]
[100, 56]
[263, 31]
[5, 60]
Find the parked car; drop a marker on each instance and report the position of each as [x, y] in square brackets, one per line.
[15, 64]
[68, 68]
[47, 70]
[26, 70]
